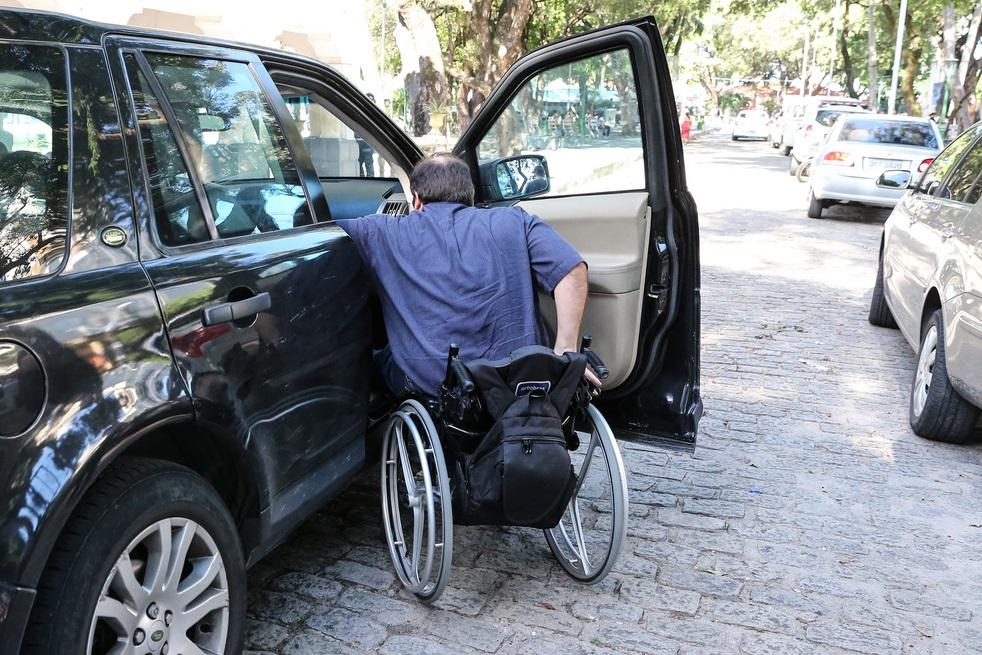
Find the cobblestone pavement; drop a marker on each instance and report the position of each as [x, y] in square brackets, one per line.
[808, 520]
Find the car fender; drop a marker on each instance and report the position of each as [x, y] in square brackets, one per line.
[52, 476]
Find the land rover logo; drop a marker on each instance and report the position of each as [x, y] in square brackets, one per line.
[156, 635]
[113, 236]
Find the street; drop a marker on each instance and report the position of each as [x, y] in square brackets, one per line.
[809, 519]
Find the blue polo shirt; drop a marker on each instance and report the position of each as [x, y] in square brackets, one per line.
[450, 273]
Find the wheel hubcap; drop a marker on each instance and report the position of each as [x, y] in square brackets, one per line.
[925, 370]
[166, 592]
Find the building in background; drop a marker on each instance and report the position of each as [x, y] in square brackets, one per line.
[334, 31]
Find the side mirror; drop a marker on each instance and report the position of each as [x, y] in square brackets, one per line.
[517, 177]
[894, 180]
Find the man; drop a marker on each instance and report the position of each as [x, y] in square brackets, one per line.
[450, 272]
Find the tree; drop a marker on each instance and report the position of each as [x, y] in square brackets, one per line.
[422, 63]
[964, 76]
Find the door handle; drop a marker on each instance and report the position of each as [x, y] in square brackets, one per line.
[236, 310]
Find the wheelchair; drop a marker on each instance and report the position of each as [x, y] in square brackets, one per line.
[433, 466]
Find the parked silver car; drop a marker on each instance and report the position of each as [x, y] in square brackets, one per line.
[929, 284]
[860, 148]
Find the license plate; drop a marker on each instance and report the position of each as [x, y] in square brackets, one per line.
[872, 163]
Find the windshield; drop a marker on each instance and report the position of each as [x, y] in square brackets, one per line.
[903, 133]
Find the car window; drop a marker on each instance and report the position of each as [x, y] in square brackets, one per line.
[336, 149]
[826, 117]
[876, 130]
[33, 161]
[933, 180]
[963, 183]
[236, 148]
[583, 118]
[178, 216]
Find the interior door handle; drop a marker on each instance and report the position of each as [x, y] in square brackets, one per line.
[239, 309]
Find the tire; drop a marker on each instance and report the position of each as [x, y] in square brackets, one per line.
[793, 165]
[936, 410]
[775, 145]
[815, 206]
[785, 150]
[734, 138]
[804, 170]
[136, 505]
[879, 311]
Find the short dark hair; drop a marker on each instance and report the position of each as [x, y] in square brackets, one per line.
[442, 177]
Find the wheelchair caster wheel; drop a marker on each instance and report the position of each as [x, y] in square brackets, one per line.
[416, 503]
[590, 535]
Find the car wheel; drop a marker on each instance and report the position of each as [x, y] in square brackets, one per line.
[815, 206]
[785, 150]
[793, 166]
[937, 411]
[734, 138]
[775, 145]
[879, 311]
[149, 562]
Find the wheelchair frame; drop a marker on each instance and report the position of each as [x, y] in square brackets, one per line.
[415, 481]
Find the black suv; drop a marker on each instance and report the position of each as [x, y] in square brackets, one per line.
[185, 335]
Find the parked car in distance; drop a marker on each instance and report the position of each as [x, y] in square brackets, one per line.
[860, 148]
[775, 128]
[811, 125]
[750, 124]
[186, 334]
[929, 284]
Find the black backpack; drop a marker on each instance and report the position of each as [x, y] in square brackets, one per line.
[520, 471]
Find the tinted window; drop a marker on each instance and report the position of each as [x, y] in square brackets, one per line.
[336, 150]
[179, 218]
[826, 117]
[583, 118]
[33, 161]
[874, 130]
[934, 176]
[235, 146]
[963, 185]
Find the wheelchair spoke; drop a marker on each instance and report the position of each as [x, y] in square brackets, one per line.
[578, 533]
[587, 459]
[417, 537]
[407, 471]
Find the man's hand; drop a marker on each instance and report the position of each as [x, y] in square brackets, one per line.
[588, 373]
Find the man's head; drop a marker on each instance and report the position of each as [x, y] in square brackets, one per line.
[441, 178]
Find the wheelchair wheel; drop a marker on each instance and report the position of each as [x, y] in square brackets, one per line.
[416, 502]
[589, 537]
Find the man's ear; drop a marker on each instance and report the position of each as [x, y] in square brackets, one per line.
[417, 203]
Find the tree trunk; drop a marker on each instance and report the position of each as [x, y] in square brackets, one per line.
[963, 110]
[847, 67]
[871, 68]
[422, 64]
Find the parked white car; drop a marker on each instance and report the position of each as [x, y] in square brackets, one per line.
[813, 123]
[860, 148]
[929, 284]
[751, 124]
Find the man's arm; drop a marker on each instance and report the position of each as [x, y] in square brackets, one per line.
[570, 296]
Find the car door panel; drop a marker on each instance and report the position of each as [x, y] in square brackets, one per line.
[615, 257]
[289, 379]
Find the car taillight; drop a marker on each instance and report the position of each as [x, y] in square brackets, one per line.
[924, 165]
[808, 129]
[837, 158]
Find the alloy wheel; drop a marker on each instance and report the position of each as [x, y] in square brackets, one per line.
[925, 370]
[166, 593]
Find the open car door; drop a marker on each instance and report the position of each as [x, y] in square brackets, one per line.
[584, 134]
